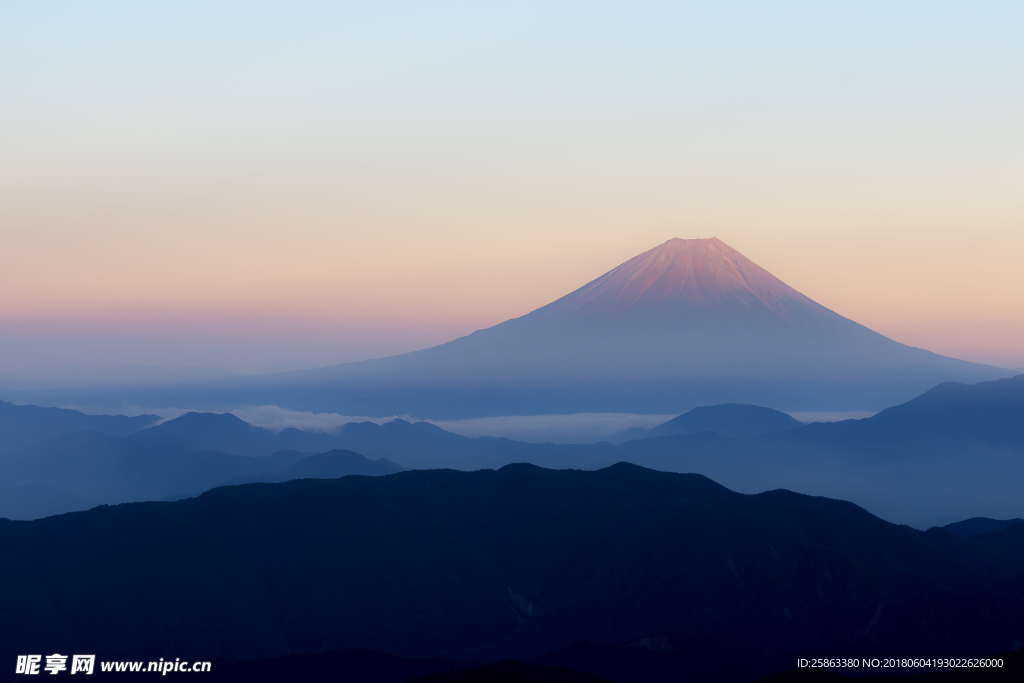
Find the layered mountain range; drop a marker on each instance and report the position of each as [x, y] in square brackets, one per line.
[601, 570]
[956, 451]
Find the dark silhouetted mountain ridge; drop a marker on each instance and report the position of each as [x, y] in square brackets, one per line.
[519, 563]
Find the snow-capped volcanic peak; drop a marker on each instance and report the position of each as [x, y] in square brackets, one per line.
[687, 272]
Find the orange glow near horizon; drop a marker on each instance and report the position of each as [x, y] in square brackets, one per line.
[399, 294]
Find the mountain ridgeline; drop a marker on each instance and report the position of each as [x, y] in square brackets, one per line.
[729, 419]
[623, 572]
[62, 461]
[22, 425]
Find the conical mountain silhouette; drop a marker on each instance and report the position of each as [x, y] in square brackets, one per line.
[690, 322]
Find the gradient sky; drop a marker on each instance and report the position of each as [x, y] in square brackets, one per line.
[249, 186]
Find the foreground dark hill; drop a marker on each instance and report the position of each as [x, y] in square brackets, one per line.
[977, 526]
[672, 571]
[690, 322]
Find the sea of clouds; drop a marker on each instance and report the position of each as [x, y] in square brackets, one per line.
[553, 428]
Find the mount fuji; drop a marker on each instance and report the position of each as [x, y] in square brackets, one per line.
[689, 322]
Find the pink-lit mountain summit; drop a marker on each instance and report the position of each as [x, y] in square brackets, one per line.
[689, 322]
[698, 272]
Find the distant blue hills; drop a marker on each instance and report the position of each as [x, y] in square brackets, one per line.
[900, 463]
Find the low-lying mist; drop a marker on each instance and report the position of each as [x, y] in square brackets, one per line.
[549, 428]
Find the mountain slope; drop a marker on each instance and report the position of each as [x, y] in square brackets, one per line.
[987, 411]
[688, 322]
[729, 419]
[958, 457]
[984, 412]
[81, 470]
[334, 464]
[227, 433]
[21, 425]
[958, 449]
[510, 563]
